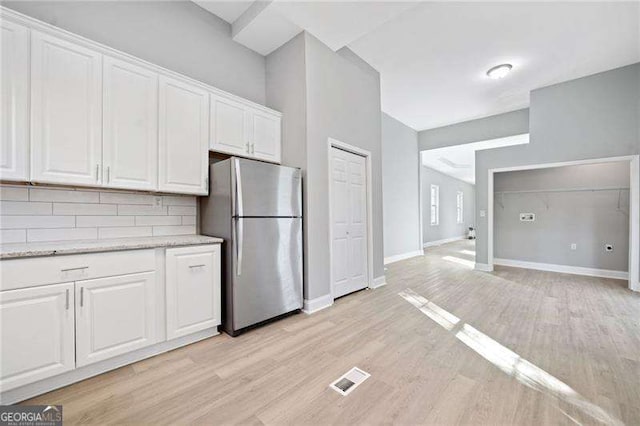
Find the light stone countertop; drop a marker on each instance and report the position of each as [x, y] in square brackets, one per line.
[20, 250]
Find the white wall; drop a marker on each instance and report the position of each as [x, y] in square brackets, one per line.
[449, 187]
[400, 187]
[35, 214]
[177, 35]
[585, 218]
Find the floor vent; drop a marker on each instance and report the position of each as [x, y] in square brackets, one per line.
[349, 381]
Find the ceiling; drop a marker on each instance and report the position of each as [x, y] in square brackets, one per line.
[432, 56]
[459, 161]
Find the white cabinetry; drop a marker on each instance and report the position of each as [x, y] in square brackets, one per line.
[193, 289]
[184, 132]
[66, 103]
[239, 128]
[265, 136]
[37, 339]
[130, 126]
[114, 315]
[229, 129]
[14, 101]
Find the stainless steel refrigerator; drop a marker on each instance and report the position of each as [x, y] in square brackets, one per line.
[257, 208]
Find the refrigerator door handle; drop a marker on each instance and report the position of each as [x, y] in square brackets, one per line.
[236, 166]
[239, 246]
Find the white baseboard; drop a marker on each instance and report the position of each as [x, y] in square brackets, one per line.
[81, 373]
[445, 241]
[576, 270]
[484, 267]
[317, 304]
[378, 282]
[403, 256]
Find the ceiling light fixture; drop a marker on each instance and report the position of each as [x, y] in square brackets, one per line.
[499, 71]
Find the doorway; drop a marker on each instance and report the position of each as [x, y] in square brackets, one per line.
[349, 219]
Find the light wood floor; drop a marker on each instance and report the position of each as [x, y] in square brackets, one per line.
[554, 349]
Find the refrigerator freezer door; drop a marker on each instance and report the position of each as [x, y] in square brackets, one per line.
[266, 190]
[269, 281]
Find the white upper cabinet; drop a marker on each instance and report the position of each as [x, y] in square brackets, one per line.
[240, 128]
[184, 134]
[66, 102]
[37, 339]
[265, 136]
[229, 126]
[130, 126]
[14, 101]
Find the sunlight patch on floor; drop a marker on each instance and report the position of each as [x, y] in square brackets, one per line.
[459, 261]
[469, 252]
[508, 361]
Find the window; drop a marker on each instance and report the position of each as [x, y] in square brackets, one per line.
[435, 205]
[460, 207]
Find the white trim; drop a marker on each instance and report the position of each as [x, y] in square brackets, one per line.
[565, 269]
[378, 282]
[319, 303]
[402, 256]
[47, 385]
[634, 209]
[483, 267]
[444, 241]
[333, 143]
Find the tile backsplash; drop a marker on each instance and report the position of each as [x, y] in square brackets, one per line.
[32, 214]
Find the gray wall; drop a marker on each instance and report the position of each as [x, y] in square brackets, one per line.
[177, 35]
[493, 127]
[449, 187]
[591, 117]
[343, 103]
[322, 95]
[400, 186]
[588, 219]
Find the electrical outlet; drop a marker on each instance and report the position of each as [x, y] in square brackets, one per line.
[483, 213]
[157, 201]
[608, 247]
[574, 246]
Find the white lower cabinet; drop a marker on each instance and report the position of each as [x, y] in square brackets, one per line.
[193, 289]
[36, 338]
[114, 316]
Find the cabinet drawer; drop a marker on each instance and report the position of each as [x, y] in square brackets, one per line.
[22, 273]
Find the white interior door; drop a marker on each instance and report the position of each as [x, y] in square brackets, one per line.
[349, 222]
[130, 126]
[66, 112]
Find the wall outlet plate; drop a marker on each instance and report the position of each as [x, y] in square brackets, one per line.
[574, 246]
[527, 217]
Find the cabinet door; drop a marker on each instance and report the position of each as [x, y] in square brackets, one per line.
[193, 289]
[265, 136]
[114, 315]
[66, 102]
[37, 339]
[130, 126]
[229, 126]
[14, 98]
[184, 132]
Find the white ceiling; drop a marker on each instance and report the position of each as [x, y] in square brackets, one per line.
[227, 10]
[459, 161]
[432, 56]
